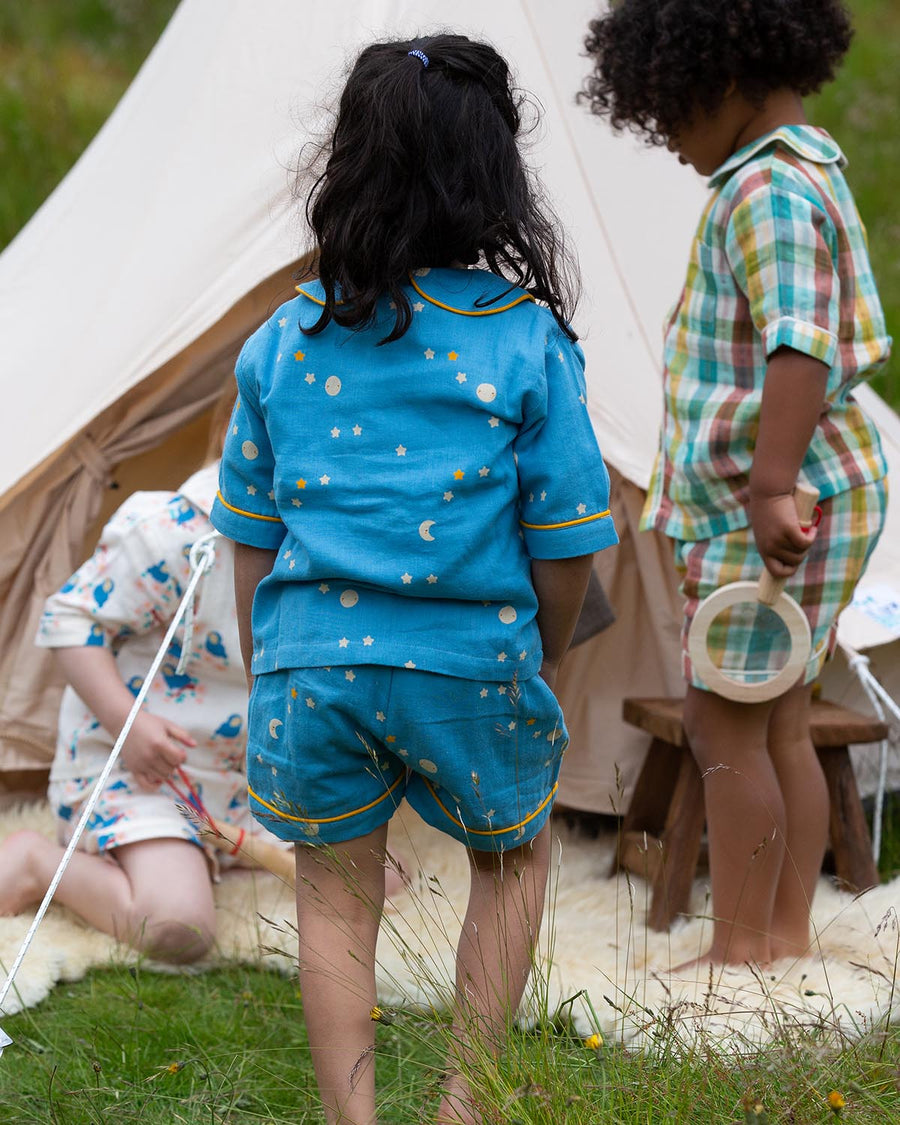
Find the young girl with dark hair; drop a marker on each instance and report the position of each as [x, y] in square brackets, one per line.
[415, 492]
[778, 321]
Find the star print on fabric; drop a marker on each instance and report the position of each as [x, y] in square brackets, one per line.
[418, 307]
[559, 356]
[431, 579]
[297, 503]
[310, 703]
[286, 555]
[324, 588]
[459, 474]
[278, 358]
[335, 432]
[251, 490]
[357, 430]
[406, 579]
[483, 693]
[543, 495]
[452, 356]
[511, 725]
[401, 451]
[293, 693]
[429, 353]
[310, 377]
[530, 497]
[271, 494]
[379, 715]
[409, 664]
[234, 429]
[299, 356]
[581, 509]
[350, 675]
[325, 479]
[461, 377]
[501, 690]
[292, 564]
[343, 642]
[301, 483]
[483, 471]
[582, 400]
[367, 641]
[493, 423]
[282, 322]
[501, 656]
[448, 496]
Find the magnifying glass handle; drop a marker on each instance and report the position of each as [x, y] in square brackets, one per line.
[805, 499]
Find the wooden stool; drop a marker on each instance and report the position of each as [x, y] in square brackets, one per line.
[663, 827]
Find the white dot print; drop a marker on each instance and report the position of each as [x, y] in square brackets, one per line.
[507, 615]
[249, 450]
[349, 598]
[332, 385]
[487, 392]
[427, 765]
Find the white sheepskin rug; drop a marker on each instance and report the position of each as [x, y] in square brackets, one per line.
[600, 966]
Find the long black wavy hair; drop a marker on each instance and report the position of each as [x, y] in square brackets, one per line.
[423, 169]
[656, 62]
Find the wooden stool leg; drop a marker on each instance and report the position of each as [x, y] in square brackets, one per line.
[850, 840]
[680, 846]
[650, 799]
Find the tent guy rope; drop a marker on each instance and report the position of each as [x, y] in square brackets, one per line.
[201, 558]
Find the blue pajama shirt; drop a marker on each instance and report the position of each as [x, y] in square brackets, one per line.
[408, 486]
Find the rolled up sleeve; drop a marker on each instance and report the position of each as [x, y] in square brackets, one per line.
[563, 482]
[778, 245]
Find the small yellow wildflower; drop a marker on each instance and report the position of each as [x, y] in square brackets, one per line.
[594, 1042]
[836, 1102]
[173, 1068]
[379, 1015]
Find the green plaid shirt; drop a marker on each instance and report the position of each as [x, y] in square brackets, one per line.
[779, 260]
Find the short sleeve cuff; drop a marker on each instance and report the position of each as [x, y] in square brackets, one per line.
[62, 628]
[810, 339]
[250, 528]
[569, 540]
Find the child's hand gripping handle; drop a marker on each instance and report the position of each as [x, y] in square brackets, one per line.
[805, 498]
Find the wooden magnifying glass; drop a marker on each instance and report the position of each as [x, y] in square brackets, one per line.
[768, 591]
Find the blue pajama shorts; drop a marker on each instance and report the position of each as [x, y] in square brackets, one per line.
[332, 751]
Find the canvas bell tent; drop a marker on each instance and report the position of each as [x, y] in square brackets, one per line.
[124, 301]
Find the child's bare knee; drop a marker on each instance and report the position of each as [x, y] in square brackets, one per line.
[176, 940]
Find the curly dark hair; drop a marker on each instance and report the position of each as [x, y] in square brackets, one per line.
[423, 169]
[657, 62]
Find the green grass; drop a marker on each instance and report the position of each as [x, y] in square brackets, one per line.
[128, 1045]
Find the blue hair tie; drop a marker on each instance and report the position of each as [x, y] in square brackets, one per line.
[420, 55]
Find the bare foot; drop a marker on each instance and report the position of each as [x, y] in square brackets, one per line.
[784, 947]
[711, 961]
[20, 885]
[456, 1106]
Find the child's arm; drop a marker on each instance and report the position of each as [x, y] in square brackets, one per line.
[251, 566]
[792, 400]
[155, 746]
[560, 585]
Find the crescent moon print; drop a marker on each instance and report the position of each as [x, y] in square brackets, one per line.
[425, 530]
[274, 724]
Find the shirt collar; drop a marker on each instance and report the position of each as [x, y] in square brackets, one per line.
[469, 292]
[806, 141]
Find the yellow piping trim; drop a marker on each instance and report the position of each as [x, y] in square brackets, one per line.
[241, 512]
[468, 312]
[491, 831]
[327, 819]
[568, 523]
[300, 289]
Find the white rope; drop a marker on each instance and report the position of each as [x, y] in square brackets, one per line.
[879, 699]
[201, 558]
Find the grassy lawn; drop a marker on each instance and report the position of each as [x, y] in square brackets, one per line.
[126, 1045]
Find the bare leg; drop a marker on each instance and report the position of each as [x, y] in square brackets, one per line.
[155, 895]
[340, 896]
[494, 958]
[805, 794]
[745, 822]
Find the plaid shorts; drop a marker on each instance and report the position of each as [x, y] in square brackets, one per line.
[750, 642]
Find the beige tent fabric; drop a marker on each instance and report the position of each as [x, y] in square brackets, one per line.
[48, 520]
[639, 655]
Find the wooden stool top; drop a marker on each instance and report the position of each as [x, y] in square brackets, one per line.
[830, 724]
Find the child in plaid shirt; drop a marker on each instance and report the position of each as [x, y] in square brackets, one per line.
[779, 320]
